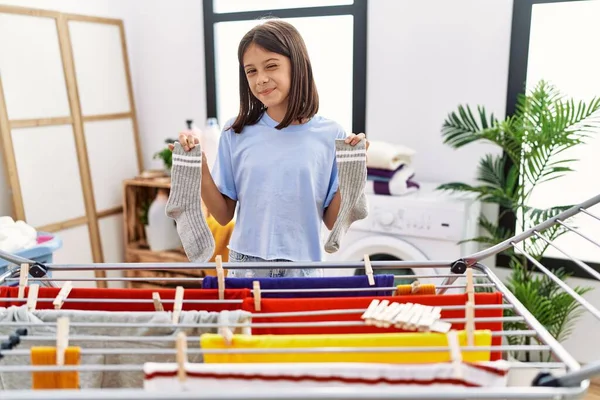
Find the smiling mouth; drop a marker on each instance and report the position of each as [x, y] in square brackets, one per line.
[266, 92]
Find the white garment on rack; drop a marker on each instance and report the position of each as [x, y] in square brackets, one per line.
[163, 377]
[107, 379]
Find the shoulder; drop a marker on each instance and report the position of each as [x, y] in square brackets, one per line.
[328, 126]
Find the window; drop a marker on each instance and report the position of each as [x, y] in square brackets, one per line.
[335, 35]
[561, 55]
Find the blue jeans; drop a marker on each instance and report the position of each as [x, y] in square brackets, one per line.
[236, 257]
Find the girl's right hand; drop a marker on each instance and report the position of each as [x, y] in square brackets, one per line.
[187, 140]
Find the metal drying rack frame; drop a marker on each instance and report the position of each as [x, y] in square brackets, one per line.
[570, 385]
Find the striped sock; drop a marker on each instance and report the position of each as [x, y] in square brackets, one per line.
[184, 204]
[352, 175]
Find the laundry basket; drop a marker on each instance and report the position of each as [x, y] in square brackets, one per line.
[47, 244]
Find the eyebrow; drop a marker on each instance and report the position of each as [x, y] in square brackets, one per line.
[266, 61]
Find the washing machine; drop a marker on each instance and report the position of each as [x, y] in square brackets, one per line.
[424, 225]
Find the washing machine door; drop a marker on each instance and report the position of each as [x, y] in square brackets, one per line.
[386, 248]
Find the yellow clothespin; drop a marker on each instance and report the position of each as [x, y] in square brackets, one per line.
[220, 276]
[157, 302]
[62, 295]
[62, 339]
[455, 353]
[256, 293]
[178, 304]
[470, 323]
[32, 296]
[369, 270]
[23, 276]
[181, 356]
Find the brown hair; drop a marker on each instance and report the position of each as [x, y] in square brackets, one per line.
[282, 38]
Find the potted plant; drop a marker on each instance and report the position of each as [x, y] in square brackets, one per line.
[166, 156]
[533, 140]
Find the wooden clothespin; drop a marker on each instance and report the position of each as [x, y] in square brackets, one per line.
[415, 286]
[224, 329]
[368, 314]
[402, 319]
[23, 276]
[220, 276]
[181, 356]
[157, 302]
[256, 293]
[470, 323]
[380, 309]
[178, 304]
[386, 318]
[62, 339]
[455, 353]
[62, 295]
[32, 296]
[470, 286]
[369, 270]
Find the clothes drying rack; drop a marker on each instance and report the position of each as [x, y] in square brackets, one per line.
[564, 378]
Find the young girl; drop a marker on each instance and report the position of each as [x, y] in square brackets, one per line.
[277, 159]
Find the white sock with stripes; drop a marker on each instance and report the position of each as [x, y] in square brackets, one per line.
[352, 176]
[184, 204]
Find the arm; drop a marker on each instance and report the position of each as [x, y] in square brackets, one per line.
[219, 206]
[331, 212]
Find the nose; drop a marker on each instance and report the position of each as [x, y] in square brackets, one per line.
[263, 78]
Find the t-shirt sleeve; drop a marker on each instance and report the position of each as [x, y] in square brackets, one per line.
[333, 179]
[222, 172]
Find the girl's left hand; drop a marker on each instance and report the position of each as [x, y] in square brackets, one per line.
[354, 139]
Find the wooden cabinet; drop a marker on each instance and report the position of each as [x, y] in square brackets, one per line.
[138, 193]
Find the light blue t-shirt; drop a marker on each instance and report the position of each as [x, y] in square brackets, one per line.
[282, 180]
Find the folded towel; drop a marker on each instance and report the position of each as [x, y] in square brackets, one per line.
[388, 174]
[392, 188]
[403, 173]
[388, 156]
[210, 282]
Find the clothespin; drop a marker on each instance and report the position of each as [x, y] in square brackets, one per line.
[62, 295]
[23, 276]
[178, 304]
[62, 339]
[369, 270]
[455, 353]
[470, 286]
[470, 323]
[385, 319]
[220, 276]
[380, 309]
[32, 296]
[157, 302]
[413, 322]
[414, 287]
[181, 356]
[224, 329]
[367, 315]
[256, 293]
[404, 316]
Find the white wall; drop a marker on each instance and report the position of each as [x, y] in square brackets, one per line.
[165, 40]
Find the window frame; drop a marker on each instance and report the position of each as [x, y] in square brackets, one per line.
[359, 74]
[517, 82]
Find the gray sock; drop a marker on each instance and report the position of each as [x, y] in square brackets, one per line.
[184, 204]
[352, 173]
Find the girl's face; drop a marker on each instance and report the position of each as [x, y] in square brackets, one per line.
[269, 76]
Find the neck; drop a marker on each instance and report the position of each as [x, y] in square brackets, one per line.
[277, 113]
